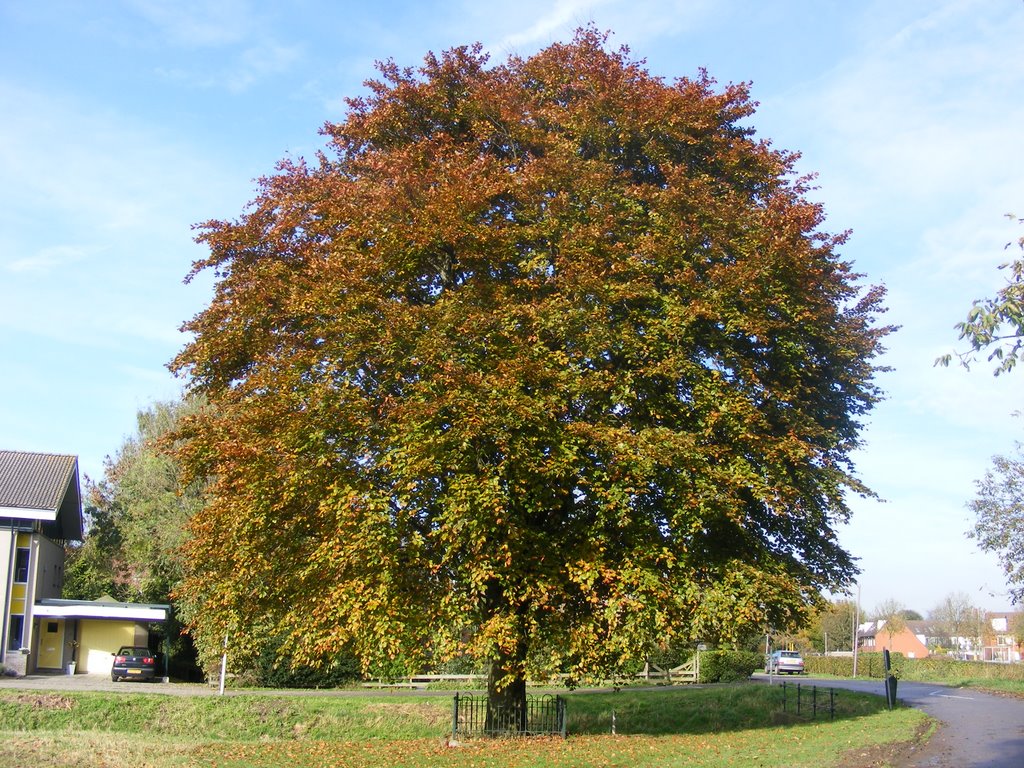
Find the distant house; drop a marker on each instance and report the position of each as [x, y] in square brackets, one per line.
[872, 636]
[1001, 643]
[40, 513]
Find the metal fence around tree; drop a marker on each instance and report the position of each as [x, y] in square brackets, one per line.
[476, 716]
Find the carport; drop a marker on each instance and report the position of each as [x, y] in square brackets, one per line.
[86, 633]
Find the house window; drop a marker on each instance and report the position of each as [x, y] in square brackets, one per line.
[14, 637]
[21, 565]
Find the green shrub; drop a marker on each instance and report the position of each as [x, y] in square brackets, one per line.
[274, 669]
[935, 669]
[869, 665]
[183, 663]
[945, 669]
[728, 666]
[668, 657]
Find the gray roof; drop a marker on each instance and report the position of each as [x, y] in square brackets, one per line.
[42, 486]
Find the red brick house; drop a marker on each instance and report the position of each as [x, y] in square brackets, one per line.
[873, 637]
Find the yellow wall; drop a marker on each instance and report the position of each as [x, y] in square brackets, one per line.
[18, 598]
[99, 640]
[51, 644]
[19, 589]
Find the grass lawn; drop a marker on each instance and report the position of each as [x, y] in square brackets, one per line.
[700, 727]
[994, 685]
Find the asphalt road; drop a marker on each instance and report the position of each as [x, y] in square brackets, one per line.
[979, 730]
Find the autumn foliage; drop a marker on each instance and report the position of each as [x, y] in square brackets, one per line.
[541, 362]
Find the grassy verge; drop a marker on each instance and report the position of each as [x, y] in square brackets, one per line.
[705, 728]
[1006, 679]
[1008, 687]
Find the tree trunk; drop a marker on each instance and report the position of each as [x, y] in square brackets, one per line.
[506, 704]
[506, 672]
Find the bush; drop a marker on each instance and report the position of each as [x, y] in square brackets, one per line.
[870, 665]
[184, 660]
[934, 669]
[728, 666]
[668, 657]
[943, 668]
[339, 673]
[275, 670]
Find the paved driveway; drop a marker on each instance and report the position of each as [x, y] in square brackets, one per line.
[60, 682]
[979, 730]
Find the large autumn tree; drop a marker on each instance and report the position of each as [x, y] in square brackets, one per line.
[538, 362]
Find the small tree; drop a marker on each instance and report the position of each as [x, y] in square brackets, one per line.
[999, 516]
[959, 622]
[832, 628]
[1017, 628]
[891, 615]
[138, 515]
[94, 567]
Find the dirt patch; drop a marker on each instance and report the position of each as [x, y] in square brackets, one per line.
[889, 755]
[45, 701]
[270, 711]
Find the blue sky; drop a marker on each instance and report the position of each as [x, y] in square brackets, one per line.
[125, 122]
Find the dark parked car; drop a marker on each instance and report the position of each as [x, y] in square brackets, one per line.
[133, 662]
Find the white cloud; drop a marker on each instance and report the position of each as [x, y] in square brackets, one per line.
[91, 168]
[558, 17]
[46, 260]
[534, 23]
[102, 207]
[261, 61]
[919, 117]
[250, 67]
[199, 23]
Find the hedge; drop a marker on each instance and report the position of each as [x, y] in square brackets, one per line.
[931, 669]
[728, 666]
[868, 665]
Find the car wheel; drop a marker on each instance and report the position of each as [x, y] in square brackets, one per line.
[114, 678]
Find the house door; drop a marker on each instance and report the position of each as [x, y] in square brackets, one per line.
[51, 644]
